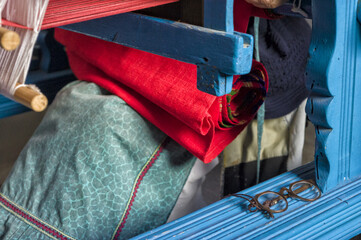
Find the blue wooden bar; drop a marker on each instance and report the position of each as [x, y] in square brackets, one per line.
[209, 79]
[336, 215]
[217, 53]
[227, 52]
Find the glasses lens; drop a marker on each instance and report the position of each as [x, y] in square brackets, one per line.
[273, 201]
[306, 190]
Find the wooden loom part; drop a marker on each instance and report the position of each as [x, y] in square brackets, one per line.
[30, 98]
[9, 40]
[62, 12]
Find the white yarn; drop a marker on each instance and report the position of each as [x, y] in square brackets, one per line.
[14, 65]
[32, 86]
[297, 8]
[2, 5]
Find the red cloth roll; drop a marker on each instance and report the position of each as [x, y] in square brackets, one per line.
[165, 92]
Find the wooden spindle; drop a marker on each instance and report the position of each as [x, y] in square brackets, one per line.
[30, 98]
[9, 40]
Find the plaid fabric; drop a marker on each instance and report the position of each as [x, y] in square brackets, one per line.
[252, 89]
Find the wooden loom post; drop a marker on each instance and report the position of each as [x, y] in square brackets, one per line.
[27, 96]
[334, 78]
[9, 40]
[30, 98]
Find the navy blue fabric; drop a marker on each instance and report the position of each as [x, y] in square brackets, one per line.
[283, 45]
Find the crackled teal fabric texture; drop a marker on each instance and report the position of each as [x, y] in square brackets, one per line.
[77, 172]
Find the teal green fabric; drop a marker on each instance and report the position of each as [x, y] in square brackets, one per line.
[77, 172]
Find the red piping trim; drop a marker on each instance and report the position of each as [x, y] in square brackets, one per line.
[38, 224]
[155, 157]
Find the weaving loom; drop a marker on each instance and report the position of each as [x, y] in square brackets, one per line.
[24, 19]
[332, 107]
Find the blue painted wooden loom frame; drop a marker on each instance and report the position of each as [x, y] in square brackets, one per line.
[334, 71]
[334, 77]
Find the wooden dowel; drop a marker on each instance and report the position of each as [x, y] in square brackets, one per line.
[30, 98]
[9, 40]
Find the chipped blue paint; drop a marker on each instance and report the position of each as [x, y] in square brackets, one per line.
[210, 80]
[218, 15]
[228, 52]
[176, 40]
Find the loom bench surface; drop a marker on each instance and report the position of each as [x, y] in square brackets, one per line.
[336, 215]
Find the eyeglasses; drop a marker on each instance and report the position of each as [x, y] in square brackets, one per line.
[271, 202]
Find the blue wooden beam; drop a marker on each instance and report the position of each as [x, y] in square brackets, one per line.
[335, 215]
[218, 54]
[218, 15]
[192, 44]
[334, 77]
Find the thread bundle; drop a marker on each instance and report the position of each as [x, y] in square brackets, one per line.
[82, 10]
[14, 65]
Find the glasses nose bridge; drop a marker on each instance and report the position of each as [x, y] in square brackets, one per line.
[283, 190]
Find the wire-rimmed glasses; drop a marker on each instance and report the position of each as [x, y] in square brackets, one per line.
[276, 202]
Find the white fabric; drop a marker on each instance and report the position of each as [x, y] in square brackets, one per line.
[192, 197]
[297, 137]
[282, 136]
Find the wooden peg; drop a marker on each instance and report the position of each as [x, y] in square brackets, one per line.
[9, 40]
[30, 98]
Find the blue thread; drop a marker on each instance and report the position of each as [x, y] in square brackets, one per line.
[260, 114]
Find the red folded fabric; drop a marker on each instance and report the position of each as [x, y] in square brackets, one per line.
[164, 90]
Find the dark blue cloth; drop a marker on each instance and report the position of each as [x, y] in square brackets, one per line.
[283, 45]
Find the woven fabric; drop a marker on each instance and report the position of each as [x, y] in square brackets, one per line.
[92, 171]
[164, 90]
[63, 12]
